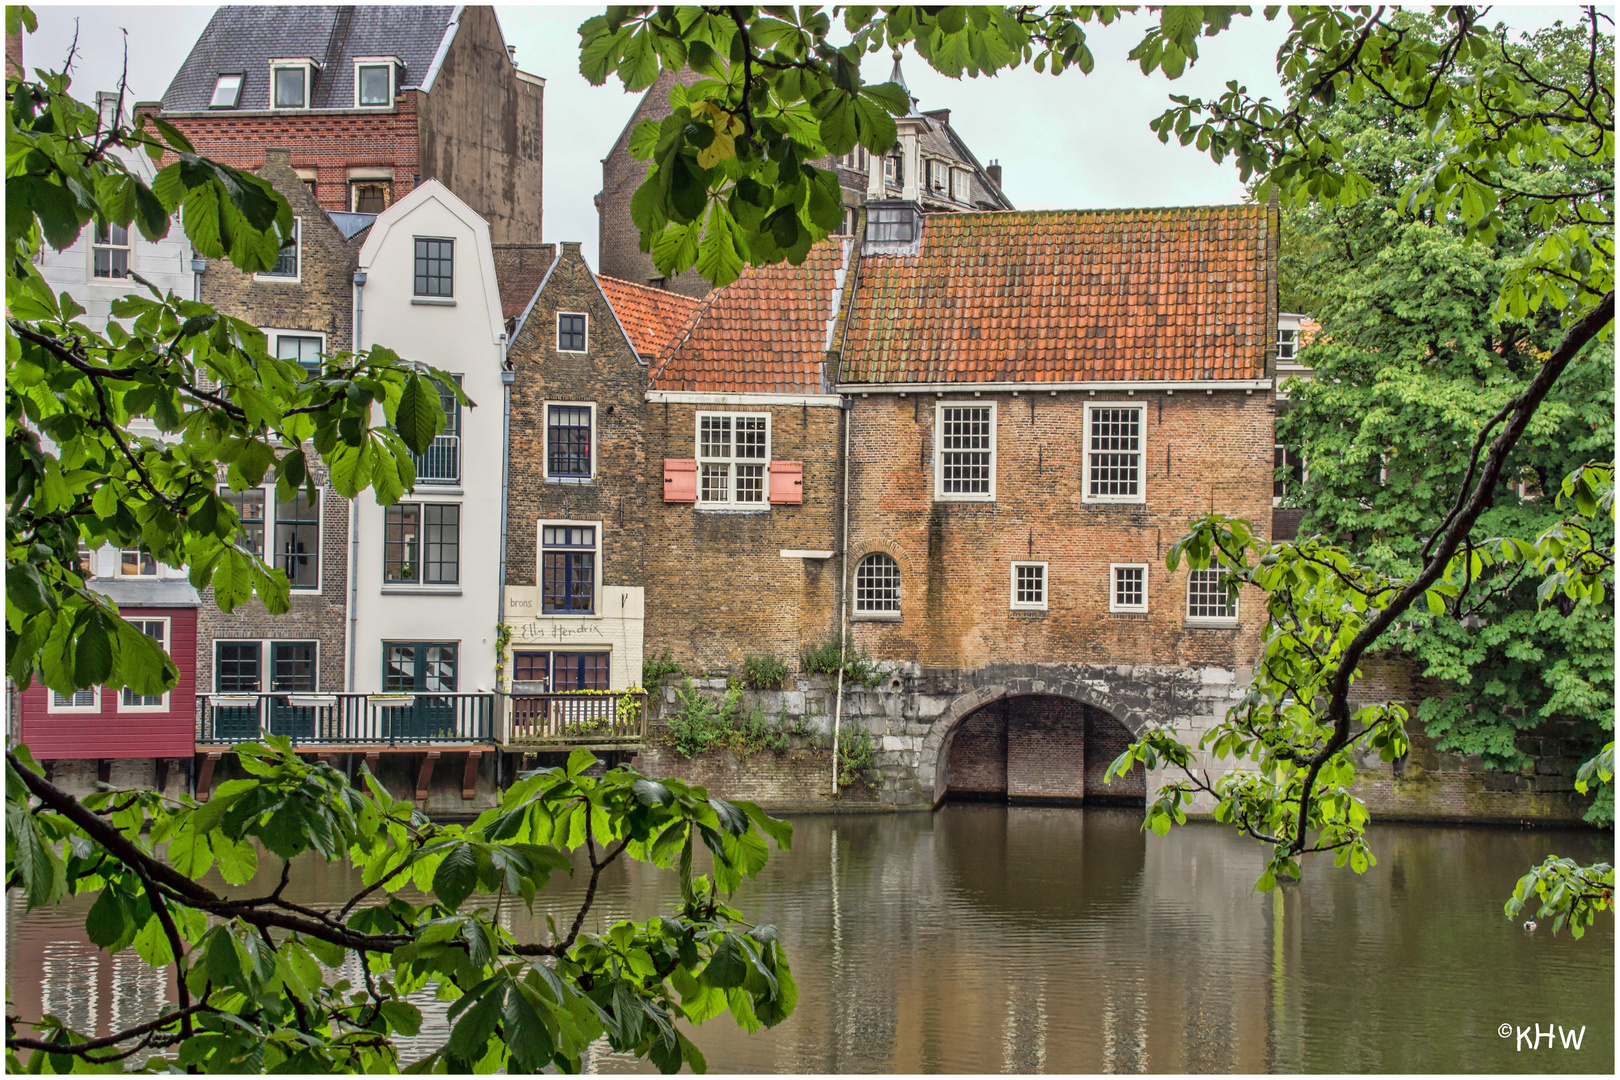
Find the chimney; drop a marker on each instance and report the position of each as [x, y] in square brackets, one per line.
[942, 115]
[993, 170]
[511, 54]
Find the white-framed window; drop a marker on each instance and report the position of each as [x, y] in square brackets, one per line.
[1029, 587]
[293, 527]
[290, 83]
[227, 90]
[374, 81]
[733, 451]
[894, 170]
[137, 562]
[570, 567]
[250, 511]
[1207, 598]
[87, 700]
[877, 584]
[1287, 344]
[1287, 482]
[965, 452]
[1127, 587]
[570, 441]
[857, 159]
[1116, 448]
[128, 700]
[572, 331]
[289, 263]
[961, 185]
[110, 253]
[302, 347]
[939, 176]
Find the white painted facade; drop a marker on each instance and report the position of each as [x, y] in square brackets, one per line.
[616, 628]
[166, 263]
[464, 334]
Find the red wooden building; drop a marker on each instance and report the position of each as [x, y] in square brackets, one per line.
[107, 724]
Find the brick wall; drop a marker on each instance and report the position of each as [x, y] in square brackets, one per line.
[609, 375]
[1041, 748]
[978, 754]
[1201, 452]
[321, 302]
[1046, 750]
[1106, 739]
[718, 587]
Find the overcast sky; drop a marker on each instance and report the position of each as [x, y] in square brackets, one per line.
[1070, 141]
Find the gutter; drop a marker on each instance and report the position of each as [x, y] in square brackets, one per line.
[508, 377]
[1168, 386]
[354, 504]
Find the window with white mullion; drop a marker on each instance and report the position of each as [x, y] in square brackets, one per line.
[965, 452]
[733, 450]
[1029, 586]
[1208, 599]
[1128, 587]
[1115, 449]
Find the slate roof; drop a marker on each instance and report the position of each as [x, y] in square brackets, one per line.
[652, 317]
[245, 38]
[1067, 296]
[765, 333]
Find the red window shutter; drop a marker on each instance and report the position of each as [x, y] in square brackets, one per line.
[787, 482]
[680, 480]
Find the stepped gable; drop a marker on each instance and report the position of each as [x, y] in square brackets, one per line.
[651, 317]
[765, 333]
[1067, 296]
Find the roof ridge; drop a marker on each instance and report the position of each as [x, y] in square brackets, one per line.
[661, 293]
[1096, 210]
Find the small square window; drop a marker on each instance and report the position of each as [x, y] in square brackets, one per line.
[1029, 586]
[570, 332]
[227, 92]
[1287, 344]
[137, 562]
[236, 667]
[435, 267]
[1208, 599]
[291, 86]
[292, 667]
[1128, 589]
[374, 85]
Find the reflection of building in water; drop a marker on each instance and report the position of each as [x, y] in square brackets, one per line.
[138, 991]
[68, 984]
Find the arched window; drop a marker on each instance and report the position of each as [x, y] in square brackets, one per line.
[877, 583]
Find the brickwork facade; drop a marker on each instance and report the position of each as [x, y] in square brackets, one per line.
[1042, 749]
[319, 302]
[719, 582]
[1200, 452]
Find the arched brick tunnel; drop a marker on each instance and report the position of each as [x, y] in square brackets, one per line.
[1041, 748]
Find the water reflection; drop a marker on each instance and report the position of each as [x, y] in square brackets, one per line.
[1007, 939]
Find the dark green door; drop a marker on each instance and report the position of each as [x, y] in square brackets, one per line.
[428, 670]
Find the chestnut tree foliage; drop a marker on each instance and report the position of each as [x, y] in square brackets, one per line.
[122, 438]
[1507, 144]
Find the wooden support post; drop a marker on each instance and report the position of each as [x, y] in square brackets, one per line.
[371, 766]
[104, 770]
[469, 777]
[161, 771]
[206, 780]
[425, 777]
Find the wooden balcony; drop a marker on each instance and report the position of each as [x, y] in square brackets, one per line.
[593, 719]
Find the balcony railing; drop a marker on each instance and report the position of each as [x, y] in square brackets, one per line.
[581, 718]
[346, 719]
[441, 464]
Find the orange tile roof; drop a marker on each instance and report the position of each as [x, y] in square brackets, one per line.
[650, 316]
[1069, 295]
[765, 333]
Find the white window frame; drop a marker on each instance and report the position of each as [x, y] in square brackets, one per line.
[308, 66]
[596, 611]
[1046, 586]
[70, 709]
[1141, 454]
[574, 352]
[1114, 606]
[545, 413]
[940, 494]
[1292, 344]
[157, 571]
[168, 642]
[236, 98]
[732, 461]
[392, 64]
[869, 614]
[274, 334]
[932, 166]
[127, 247]
[961, 185]
[297, 277]
[1206, 620]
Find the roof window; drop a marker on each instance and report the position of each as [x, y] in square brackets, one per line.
[290, 83]
[376, 80]
[227, 91]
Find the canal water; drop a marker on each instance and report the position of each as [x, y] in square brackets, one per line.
[988, 938]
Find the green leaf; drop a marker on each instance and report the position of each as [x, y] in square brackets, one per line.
[419, 416]
[403, 1017]
[457, 876]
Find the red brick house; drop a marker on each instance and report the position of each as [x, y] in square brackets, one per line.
[370, 100]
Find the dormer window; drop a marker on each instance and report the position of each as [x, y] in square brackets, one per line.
[374, 81]
[290, 82]
[227, 91]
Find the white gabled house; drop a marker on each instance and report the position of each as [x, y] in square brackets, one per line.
[426, 570]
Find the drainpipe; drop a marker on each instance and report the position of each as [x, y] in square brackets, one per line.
[198, 265]
[354, 504]
[508, 377]
[843, 595]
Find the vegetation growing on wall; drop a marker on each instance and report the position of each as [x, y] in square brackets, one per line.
[858, 665]
[658, 665]
[766, 672]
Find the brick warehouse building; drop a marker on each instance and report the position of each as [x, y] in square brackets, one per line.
[370, 101]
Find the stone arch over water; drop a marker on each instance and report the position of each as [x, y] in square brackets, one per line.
[934, 760]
